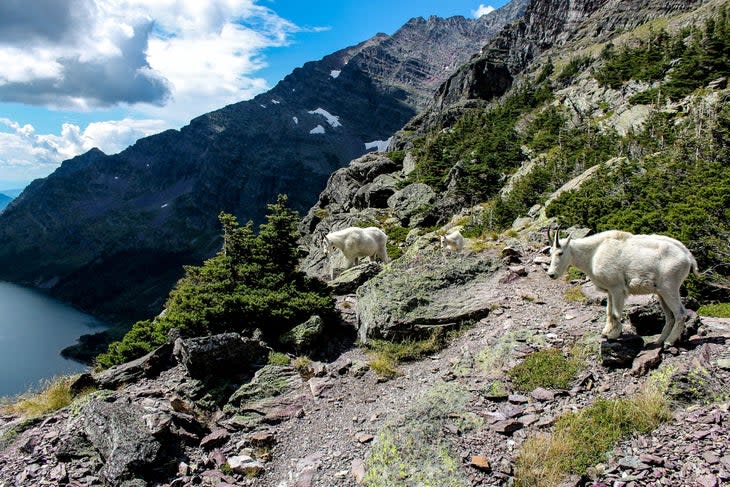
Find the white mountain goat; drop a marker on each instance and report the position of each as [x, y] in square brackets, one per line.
[356, 242]
[453, 241]
[620, 264]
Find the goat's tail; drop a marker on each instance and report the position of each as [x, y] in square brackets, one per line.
[693, 262]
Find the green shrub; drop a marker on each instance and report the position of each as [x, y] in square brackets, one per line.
[545, 368]
[253, 282]
[278, 358]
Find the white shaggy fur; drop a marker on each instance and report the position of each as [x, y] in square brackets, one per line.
[454, 241]
[620, 264]
[356, 242]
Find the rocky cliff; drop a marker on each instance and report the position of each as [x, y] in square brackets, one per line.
[110, 233]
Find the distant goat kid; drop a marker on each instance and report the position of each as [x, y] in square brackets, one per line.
[620, 264]
[454, 241]
[356, 242]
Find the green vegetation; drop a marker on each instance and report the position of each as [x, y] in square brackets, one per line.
[411, 450]
[582, 439]
[683, 63]
[54, 395]
[278, 358]
[717, 310]
[575, 294]
[573, 68]
[545, 368]
[483, 142]
[251, 283]
[386, 355]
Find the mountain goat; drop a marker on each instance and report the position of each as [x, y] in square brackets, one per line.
[356, 242]
[620, 264]
[453, 241]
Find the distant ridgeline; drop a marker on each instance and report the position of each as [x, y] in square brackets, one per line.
[111, 233]
[4, 200]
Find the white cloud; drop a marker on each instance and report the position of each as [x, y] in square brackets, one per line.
[26, 155]
[483, 10]
[177, 57]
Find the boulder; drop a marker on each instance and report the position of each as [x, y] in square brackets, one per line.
[270, 381]
[226, 354]
[376, 194]
[421, 290]
[354, 277]
[118, 431]
[622, 351]
[304, 336]
[146, 366]
[412, 203]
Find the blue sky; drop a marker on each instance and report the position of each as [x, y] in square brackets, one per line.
[77, 74]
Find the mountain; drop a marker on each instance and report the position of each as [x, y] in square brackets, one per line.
[109, 233]
[444, 368]
[4, 200]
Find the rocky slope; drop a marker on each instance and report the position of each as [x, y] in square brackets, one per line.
[332, 422]
[110, 233]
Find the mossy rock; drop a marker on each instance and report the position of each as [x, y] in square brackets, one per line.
[305, 336]
[269, 381]
[422, 290]
[696, 385]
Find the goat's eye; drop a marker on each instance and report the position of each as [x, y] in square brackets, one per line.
[559, 253]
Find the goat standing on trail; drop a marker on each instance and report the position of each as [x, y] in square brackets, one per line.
[356, 242]
[620, 264]
[453, 242]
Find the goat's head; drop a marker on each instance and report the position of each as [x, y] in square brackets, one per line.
[443, 241]
[559, 254]
[327, 246]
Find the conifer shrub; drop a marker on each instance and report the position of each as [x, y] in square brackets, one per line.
[253, 282]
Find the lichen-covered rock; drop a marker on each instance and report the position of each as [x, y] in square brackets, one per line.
[354, 277]
[224, 354]
[304, 336]
[411, 203]
[269, 381]
[422, 290]
[117, 430]
[145, 366]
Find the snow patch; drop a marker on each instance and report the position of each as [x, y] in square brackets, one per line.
[335, 73]
[378, 145]
[163, 205]
[262, 106]
[333, 120]
[275, 102]
[317, 130]
[296, 120]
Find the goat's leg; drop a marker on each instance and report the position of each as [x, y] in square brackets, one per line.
[668, 322]
[614, 309]
[675, 303]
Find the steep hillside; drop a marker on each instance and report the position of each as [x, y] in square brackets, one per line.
[4, 200]
[109, 233]
[442, 368]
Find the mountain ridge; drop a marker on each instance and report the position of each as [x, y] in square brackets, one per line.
[133, 218]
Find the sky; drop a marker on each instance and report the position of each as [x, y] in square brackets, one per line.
[78, 74]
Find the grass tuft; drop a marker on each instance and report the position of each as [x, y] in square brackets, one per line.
[386, 355]
[717, 310]
[545, 368]
[55, 394]
[582, 439]
[575, 295]
[278, 358]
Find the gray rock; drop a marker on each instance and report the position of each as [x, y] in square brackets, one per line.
[377, 193]
[646, 361]
[542, 394]
[305, 336]
[146, 366]
[269, 382]
[412, 203]
[622, 351]
[119, 433]
[226, 354]
[422, 290]
[350, 279]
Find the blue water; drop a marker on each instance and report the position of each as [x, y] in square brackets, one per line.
[34, 328]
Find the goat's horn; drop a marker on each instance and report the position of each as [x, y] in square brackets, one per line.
[550, 238]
